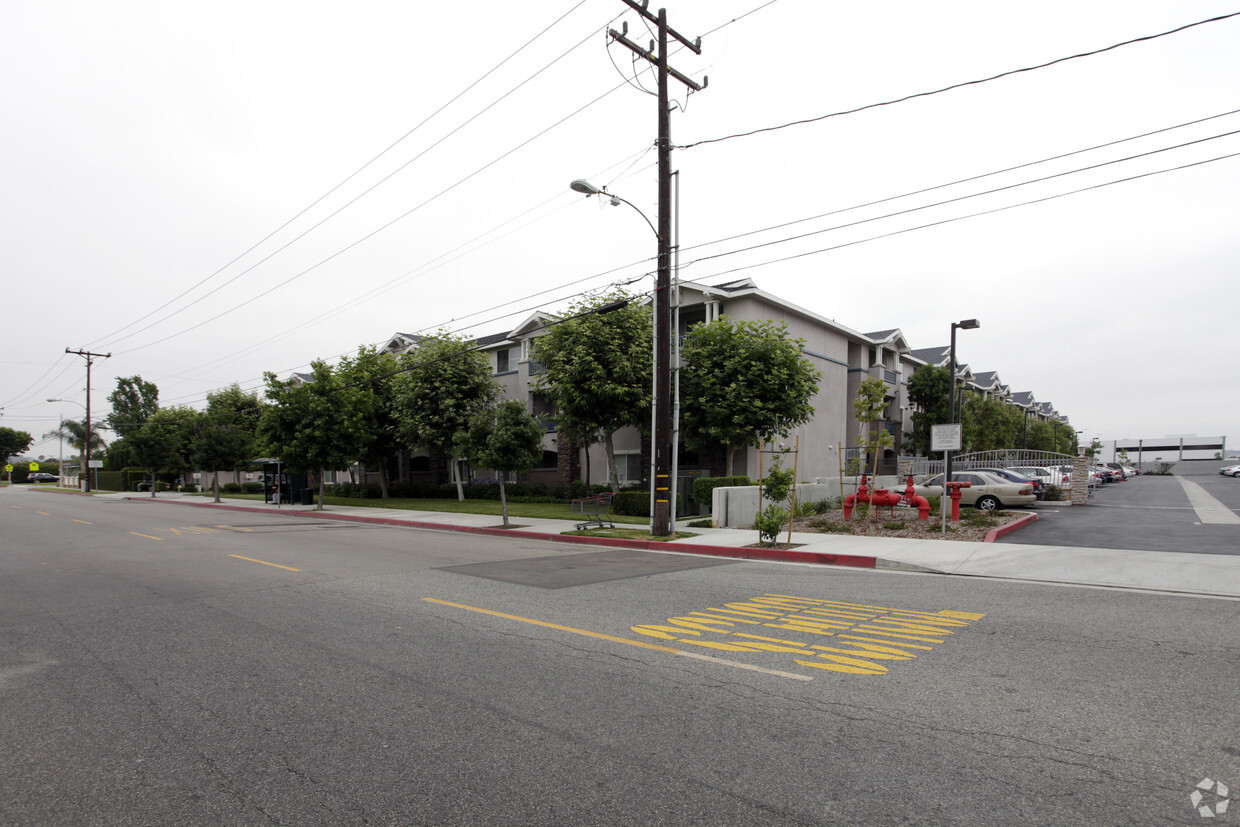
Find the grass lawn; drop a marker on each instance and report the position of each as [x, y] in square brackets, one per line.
[542, 511]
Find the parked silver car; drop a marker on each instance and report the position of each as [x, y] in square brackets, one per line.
[986, 492]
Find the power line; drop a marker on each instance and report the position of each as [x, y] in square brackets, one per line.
[341, 183]
[959, 85]
[966, 197]
[971, 215]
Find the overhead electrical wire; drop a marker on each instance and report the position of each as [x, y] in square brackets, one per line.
[971, 215]
[353, 175]
[960, 85]
[971, 195]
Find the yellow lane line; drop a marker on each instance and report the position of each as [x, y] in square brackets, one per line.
[83, 522]
[147, 536]
[264, 562]
[44, 513]
[614, 639]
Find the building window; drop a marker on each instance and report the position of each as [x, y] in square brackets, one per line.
[501, 361]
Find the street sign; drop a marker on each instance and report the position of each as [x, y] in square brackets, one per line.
[8, 468]
[94, 463]
[34, 466]
[945, 437]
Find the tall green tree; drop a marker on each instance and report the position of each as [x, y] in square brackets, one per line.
[166, 441]
[13, 442]
[445, 383]
[743, 383]
[989, 424]
[316, 426]
[133, 403]
[928, 390]
[598, 370]
[504, 438]
[227, 433]
[371, 370]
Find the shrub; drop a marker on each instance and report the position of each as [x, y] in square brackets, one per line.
[230, 488]
[702, 524]
[189, 488]
[895, 525]
[830, 526]
[770, 521]
[251, 487]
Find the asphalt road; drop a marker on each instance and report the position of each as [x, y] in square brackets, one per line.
[161, 664]
[1146, 513]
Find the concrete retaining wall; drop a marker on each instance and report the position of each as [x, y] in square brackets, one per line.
[737, 506]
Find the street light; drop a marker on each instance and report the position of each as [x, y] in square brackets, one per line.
[967, 324]
[663, 492]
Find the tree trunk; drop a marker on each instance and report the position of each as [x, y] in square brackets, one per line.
[613, 476]
[456, 477]
[217, 485]
[154, 483]
[322, 476]
[503, 499]
[383, 478]
[730, 453]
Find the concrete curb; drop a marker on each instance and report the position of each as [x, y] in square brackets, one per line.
[768, 554]
[1003, 531]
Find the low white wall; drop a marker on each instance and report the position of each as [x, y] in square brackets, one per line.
[736, 507]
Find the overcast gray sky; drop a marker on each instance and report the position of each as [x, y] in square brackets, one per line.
[163, 165]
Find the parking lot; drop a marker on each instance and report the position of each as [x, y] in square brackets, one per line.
[1149, 513]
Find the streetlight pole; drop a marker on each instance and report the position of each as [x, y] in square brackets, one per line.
[89, 357]
[967, 324]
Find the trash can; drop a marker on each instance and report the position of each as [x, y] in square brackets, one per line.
[307, 496]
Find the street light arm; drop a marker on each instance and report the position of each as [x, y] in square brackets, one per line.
[583, 186]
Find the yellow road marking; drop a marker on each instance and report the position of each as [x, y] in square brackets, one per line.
[83, 522]
[235, 528]
[614, 639]
[147, 536]
[44, 513]
[264, 562]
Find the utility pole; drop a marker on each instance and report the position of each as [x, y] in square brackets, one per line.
[661, 514]
[90, 360]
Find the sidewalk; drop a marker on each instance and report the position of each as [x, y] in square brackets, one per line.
[1198, 574]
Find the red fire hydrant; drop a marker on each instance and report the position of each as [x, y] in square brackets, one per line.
[953, 488]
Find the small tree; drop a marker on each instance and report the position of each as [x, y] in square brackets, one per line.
[74, 433]
[372, 370]
[869, 405]
[226, 432]
[166, 441]
[316, 426]
[928, 393]
[598, 371]
[504, 438]
[447, 382]
[743, 383]
[776, 487]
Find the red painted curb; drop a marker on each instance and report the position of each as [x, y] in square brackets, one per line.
[771, 554]
[1003, 531]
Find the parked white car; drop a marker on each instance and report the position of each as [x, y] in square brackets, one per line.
[1230, 471]
[1052, 475]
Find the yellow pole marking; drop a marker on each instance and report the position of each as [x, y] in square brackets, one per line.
[264, 562]
[147, 536]
[640, 643]
[83, 522]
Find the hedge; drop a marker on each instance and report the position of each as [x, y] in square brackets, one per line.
[516, 492]
[703, 487]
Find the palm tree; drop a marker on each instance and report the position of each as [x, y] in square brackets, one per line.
[74, 433]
